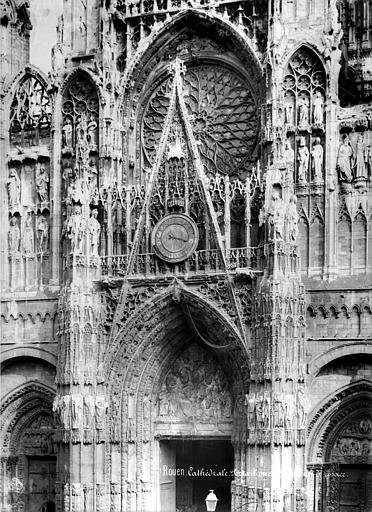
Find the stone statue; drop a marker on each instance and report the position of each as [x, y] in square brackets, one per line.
[75, 230]
[67, 133]
[42, 180]
[81, 130]
[94, 229]
[89, 407]
[292, 217]
[14, 188]
[303, 113]
[344, 160]
[360, 159]
[318, 108]
[289, 154]
[14, 235]
[317, 160]
[303, 157]
[91, 130]
[301, 408]
[28, 237]
[42, 230]
[276, 216]
[101, 409]
[288, 113]
[76, 411]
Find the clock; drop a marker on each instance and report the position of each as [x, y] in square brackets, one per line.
[175, 237]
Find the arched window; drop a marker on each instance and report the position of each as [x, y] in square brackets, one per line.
[30, 114]
[80, 110]
[304, 89]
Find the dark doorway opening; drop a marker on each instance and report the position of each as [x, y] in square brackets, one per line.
[355, 488]
[190, 468]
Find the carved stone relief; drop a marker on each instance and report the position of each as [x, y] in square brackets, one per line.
[195, 388]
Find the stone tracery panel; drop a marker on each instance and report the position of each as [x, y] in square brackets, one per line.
[28, 185]
[223, 113]
[30, 114]
[304, 115]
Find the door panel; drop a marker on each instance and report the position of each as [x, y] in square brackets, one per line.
[167, 478]
[355, 489]
[41, 484]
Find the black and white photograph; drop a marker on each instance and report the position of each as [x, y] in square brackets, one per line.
[186, 255]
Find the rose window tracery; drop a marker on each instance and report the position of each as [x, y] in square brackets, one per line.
[223, 116]
[30, 114]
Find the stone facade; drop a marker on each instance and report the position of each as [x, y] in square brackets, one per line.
[186, 255]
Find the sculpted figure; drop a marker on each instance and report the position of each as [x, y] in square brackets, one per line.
[360, 158]
[101, 409]
[288, 113]
[94, 229]
[301, 408]
[76, 411]
[276, 216]
[91, 130]
[67, 133]
[292, 216]
[81, 130]
[75, 230]
[14, 188]
[318, 108]
[303, 113]
[289, 154]
[317, 156]
[88, 410]
[42, 229]
[42, 180]
[28, 237]
[303, 157]
[14, 235]
[344, 160]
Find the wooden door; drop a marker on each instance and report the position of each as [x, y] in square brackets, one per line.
[355, 489]
[167, 477]
[41, 484]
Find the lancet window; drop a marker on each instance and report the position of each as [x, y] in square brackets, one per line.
[304, 115]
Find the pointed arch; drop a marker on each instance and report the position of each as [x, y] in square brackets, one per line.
[30, 109]
[159, 40]
[344, 243]
[359, 243]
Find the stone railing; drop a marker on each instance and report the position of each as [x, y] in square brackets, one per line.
[201, 262]
[145, 7]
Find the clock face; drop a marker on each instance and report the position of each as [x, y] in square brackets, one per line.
[175, 237]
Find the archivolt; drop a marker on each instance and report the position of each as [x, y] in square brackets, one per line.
[332, 412]
[159, 331]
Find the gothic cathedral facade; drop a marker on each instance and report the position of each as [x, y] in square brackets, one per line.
[186, 257]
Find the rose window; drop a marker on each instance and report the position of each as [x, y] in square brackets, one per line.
[223, 116]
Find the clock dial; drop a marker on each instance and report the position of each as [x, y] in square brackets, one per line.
[175, 237]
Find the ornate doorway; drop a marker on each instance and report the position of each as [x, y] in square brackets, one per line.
[189, 468]
[341, 460]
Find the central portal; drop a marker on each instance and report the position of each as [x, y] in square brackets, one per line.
[190, 468]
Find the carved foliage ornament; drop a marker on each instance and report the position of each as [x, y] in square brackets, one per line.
[223, 114]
